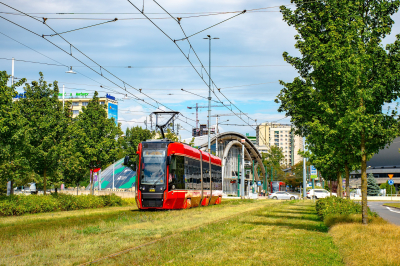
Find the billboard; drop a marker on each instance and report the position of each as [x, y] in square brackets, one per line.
[113, 112]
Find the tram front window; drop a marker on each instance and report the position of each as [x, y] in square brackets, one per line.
[153, 167]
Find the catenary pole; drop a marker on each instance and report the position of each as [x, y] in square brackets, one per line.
[243, 173]
[113, 176]
[304, 171]
[63, 96]
[12, 71]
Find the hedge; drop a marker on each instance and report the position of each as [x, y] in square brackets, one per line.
[21, 204]
[338, 206]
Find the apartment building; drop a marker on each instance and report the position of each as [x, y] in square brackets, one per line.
[280, 135]
[80, 99]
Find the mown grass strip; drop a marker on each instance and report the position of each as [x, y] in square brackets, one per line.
[374, 244]
[281, 234]
[61, 241]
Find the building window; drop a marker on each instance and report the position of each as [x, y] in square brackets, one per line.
[75, 112]
[102, 103]
[85, 103]
[75, 103]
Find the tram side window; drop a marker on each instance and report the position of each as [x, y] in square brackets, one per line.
[176, 178]
[188, 176]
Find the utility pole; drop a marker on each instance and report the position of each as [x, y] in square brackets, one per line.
[243, 173]
[113, 175]
[209, 90]
[304, 172]
[12, 71]
[238, 178]
[63, 96]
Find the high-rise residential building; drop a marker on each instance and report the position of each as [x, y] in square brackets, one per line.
[282, 136]
[79, 100]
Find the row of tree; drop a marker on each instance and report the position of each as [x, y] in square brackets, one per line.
[41, 142]
[346, 76]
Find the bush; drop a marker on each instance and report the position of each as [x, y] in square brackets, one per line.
[21, 204]
[336, 205]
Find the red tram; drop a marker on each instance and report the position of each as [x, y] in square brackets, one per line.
[173, 175]
[276, 186]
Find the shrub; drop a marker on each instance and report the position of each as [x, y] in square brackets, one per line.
[112, 200]
[336, 205]
[21, 204]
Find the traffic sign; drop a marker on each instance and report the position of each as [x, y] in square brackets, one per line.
[390, 182]
[390, 176]
[313, 172]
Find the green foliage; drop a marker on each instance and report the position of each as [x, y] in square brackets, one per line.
[21, 204]
[133, 136]
[345, 77]
[191, 143]
[47, 126]
[372, 186]
[93, 138]
[338, 206]
[390, 189]
[14, 165]
[170, 135]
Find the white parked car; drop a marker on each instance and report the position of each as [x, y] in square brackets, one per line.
[282, 195]
[319, 193]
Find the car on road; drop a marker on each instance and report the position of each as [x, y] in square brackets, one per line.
[282, 195]
[319, 193]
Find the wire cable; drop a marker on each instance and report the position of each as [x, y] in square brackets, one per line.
[244, 11]
[51, 35]
[71, 45]
[187, 57]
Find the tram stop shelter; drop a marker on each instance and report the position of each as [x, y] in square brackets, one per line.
[229, 149]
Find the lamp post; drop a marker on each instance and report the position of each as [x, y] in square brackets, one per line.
[209, 89]
[216, 136]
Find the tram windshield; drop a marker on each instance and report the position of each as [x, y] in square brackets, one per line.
[153, 167]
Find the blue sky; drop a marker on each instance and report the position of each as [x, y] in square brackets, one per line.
[248, 51]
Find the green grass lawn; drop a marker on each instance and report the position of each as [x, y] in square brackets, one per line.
[397, 205]
[237, 232]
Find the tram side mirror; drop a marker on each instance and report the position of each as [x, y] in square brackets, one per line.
[130, 162]
[126, 160]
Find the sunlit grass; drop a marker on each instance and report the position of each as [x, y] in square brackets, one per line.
[373, 244]
[75, 237]
[280, 234]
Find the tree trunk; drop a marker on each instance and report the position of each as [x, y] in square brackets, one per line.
[364, 179]
[55, 190]
[346, 168]
[77, 189]
[92, 183]
[330, 187]
[44, 182]
[339, 186]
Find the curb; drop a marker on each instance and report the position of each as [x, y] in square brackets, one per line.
[391, 206]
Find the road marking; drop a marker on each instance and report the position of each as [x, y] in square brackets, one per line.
[392, 210]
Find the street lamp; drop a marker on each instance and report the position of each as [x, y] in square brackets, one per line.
[70, 71]
[209, 88]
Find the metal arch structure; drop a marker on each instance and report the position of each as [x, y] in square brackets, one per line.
[234, 138]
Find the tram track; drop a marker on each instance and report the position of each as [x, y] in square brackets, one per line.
[116, 254]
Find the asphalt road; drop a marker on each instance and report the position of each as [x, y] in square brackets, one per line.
[391, 215]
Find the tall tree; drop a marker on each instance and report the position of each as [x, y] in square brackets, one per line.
[14, 165]
[133, 136]
[94, 137]
[47, 125]
[346, 75]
